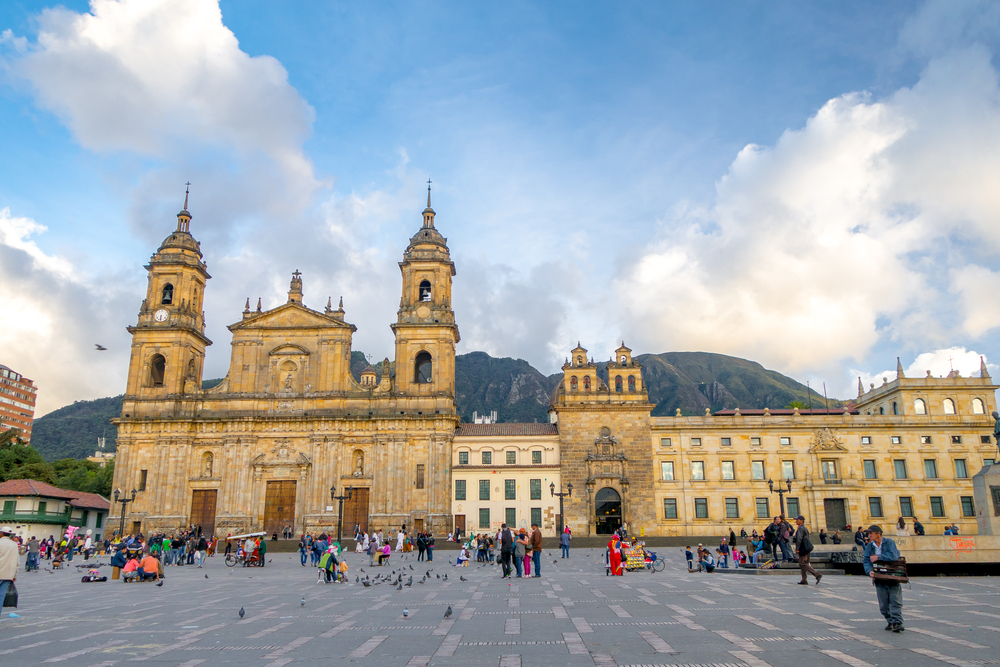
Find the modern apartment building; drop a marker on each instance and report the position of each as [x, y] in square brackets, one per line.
[17, 402]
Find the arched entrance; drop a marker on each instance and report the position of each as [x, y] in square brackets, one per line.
[608, 506]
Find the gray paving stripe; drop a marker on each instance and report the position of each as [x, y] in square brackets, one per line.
[938, 635]
[189, 621]
[946, 658]
[26, 646]
[846, 659]
[758, 622]
[574, 642]
[657, 642]
[512, 626]
[701, 599]
[85, 651]
[289, 647]
[687, 622]
[750, 659]
[191, 663]
[603, 660]
[369, 646]
[559, 612]
[37, 632]
[581, 625]
[337, 629]
[510, 661]
[444, 627]
[419, 661]
[619, 612]
[267, 631]
[744, 644]
[448, 646]
[982, 613]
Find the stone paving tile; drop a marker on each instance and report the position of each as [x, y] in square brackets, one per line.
[573, 615]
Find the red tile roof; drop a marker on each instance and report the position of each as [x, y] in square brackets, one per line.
[507, 429]
[32, 487]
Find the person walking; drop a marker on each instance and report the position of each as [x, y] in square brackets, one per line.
[506, 549]
[732, 539]
[564, 542]
[421, 546]
[615, 556]
[202, 547]
[803, 547]
[33, 556]
[889, 593]
[536, 549]
[303, 550]
[430, 547]
[520, 553]
[918, 528]
[9, 561]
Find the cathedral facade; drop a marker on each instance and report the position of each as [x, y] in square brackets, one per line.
[289, 428]
[289, 432]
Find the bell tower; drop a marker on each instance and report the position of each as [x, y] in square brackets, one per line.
[168, 341]
[425, 329]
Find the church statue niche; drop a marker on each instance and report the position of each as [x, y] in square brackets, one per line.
[359, 463]
[206, 464]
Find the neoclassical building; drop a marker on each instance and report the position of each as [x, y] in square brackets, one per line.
[289, 426]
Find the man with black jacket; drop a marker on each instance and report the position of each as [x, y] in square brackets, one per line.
[506, 549]
[772, 536]
[803, 547]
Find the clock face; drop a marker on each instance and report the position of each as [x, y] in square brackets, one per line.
[160, 315]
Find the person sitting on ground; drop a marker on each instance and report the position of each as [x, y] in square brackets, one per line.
[149, 568]
[130, 571]
[705, 562]
[463, 557]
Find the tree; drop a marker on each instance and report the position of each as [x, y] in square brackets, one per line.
[801, 405]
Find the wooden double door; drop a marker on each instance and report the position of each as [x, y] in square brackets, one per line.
[356, 511]
[203, 503]
[279, 506]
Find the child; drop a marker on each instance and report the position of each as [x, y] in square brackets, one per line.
[689, 557]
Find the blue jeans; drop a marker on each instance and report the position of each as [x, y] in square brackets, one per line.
[536, 558]
[565, 551]
[69, 554]
[430, 554]
[31, 563]
[302, 556]
[518, 565]
[4, 585]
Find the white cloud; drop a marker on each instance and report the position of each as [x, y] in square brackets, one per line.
[850, 231]
[53, 316]
[939, 363]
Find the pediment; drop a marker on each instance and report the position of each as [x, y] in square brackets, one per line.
[290, 316]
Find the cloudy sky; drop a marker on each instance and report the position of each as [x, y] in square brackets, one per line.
[810, 185]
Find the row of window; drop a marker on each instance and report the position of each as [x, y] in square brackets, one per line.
[11, 401]
[574, 384]
[830, 469]
[786, 441]
[509, 517]
[510, 458]
[9, 374]
[509, 489]
[762, 507]
[17, 394]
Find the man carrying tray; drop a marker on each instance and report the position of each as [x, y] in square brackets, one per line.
[890, 593]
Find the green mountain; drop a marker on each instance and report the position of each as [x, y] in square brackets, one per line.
[691, 381]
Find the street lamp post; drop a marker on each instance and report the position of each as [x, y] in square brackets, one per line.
[781, 492]
[340, 509]
[561, 494]
[124, 500]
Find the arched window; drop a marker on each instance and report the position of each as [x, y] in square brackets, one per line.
[425, 291]
[422, 369]
[168, 294]
[586, 383]
[624, 360]
[157, 369]
[920, 407]
[572, 384]
[631, 384]
[895, 408]
[579, 360]
[949, 406]
[977, 407]
[618, 383]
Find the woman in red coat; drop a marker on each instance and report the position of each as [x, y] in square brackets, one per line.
[615, 551]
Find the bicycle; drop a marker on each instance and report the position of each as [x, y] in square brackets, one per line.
[656, 565]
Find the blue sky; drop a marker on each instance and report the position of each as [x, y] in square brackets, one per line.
[805, 185]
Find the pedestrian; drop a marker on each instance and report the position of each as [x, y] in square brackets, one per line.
[400, 540]
[372, 550]
[723, 552]
[303, 550]
[536, 549]
[835, 538]
[785, 534]
[822, 535]
[9, 561]
[564, 542]
[689, 557]
[771, 537]
[615, 556]
[901, 530]
[201, 548]
[521, 553]
[430, 547]
[859, 538]
[890, 593]
[918, 528]
[262, 551]
[33, 556]
[803, 547]
[506, 549]
[732, 539]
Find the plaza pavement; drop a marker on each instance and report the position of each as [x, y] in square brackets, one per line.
[573, 615]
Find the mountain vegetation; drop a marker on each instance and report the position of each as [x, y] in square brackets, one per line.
[689, 381]
[21, 461]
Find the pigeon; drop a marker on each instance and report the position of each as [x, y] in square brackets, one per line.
[447, 614]
[406, 612]
[399, 587]
[159, 583]
[302, 602]
[438, 576]
[242, 613]
[362, 569]
[554, 562]
[461, 578]
[446, 577]
[357, 579]
[100, 348]
[411, 567]
[366, 584]
[206, 576]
